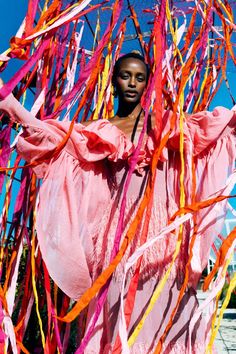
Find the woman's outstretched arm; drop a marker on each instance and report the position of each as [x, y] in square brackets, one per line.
[17, 113]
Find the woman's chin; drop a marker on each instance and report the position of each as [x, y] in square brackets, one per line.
[130, 100]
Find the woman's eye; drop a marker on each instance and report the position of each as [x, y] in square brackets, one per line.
[140, 78]
[125, 77]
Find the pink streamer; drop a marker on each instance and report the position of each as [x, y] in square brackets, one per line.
[5, 152]
[120, 227]
[202, 44]
[8, 88]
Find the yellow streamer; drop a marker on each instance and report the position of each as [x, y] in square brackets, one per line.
[204, 79]
[49, 23]
[173, 32]
[35, 289]
[45, 6]
[181, 149]
[226, 11]
[97, 32]
[155, 296]
[103, 83]
[163, 281]
[215, 328]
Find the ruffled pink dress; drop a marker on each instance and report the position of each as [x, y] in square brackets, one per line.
[79, 206]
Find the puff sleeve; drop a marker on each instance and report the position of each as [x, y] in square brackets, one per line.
[209, 143]
[201, 129]
[69, 205]
[97, 141]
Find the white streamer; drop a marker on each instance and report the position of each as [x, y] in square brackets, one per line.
[62, 20]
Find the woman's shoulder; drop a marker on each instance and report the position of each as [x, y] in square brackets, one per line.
[118, 126]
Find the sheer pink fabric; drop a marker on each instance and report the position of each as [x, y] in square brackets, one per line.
[79, 205]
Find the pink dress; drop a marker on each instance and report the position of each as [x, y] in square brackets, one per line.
[79, 206]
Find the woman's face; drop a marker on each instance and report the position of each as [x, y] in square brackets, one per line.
[131, 80]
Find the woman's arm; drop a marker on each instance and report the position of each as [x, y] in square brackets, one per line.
[203, 128]
[17, 113]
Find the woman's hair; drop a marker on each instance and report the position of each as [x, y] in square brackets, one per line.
[124, 57]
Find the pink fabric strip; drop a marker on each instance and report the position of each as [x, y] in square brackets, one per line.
[20, 200]
[7, 88]
[202, 44]
[2, 334]
[57, 332]
[32, 8]
[5, 151]
[120, 227]
[84, 74]
[213, 28]
[133, 259]
[64, 32]
[69, 17]
[159, 35]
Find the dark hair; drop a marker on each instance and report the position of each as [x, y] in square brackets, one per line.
[127, 56]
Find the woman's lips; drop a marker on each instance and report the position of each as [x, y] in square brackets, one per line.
[131, 93]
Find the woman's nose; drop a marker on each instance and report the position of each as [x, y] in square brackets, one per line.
[132, 81]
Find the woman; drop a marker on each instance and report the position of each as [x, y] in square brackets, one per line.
[80, 202]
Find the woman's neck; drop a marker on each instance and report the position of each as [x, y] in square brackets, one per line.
[128, 111]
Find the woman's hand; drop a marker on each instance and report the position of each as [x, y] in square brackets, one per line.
[16, 112]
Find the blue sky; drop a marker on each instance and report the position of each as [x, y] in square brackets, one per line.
[11, 16]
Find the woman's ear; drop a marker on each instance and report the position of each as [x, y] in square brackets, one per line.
[113, 90]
